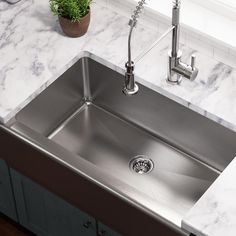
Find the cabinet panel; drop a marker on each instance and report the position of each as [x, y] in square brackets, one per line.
[46, 214]
[103, 230]
[7, 202]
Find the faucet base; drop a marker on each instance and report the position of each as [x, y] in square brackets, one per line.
[130, 87]
[175, 82]
[130, 92]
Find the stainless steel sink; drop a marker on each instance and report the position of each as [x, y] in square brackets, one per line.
[152, 151]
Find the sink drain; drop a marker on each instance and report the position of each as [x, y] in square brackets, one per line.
[141, 165]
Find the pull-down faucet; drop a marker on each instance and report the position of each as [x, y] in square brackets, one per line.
[176, 68]
[130, 87]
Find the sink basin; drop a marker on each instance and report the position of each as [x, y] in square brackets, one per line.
[153, 151]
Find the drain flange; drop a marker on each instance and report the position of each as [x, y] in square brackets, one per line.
[141, 165]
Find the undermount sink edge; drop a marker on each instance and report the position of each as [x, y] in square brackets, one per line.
[186, 148]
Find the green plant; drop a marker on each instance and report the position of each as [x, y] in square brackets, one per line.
[73, 10]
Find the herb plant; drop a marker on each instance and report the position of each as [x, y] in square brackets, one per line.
[73, 10]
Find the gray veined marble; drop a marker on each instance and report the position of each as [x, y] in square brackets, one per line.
[38, 53]
[215, 213]
[34, 52]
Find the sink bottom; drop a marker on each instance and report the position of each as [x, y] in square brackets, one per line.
[177, 180]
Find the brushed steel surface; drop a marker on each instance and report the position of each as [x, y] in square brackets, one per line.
[85, 112]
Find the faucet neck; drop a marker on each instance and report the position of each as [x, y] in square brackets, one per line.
[176, 24]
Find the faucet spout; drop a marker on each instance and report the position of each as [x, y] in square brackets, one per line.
[130, 87]
[175, 24]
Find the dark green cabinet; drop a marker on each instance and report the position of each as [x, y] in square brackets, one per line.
[7, 202]
[41, 211]
[103, 230]
[46, 214]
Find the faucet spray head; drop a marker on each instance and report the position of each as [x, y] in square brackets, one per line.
[134, 18]
[176, 12]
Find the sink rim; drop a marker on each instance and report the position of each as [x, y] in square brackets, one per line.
[87, 167]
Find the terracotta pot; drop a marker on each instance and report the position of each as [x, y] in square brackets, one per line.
[75, 29]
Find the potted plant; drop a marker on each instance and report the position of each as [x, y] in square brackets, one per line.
[74, 15]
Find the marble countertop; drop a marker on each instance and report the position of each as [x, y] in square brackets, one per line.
[215, 213]
[34, 53]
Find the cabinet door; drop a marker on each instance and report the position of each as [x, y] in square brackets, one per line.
[103, 230]
[7, 202]
[46, 214]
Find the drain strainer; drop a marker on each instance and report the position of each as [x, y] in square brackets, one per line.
[141, 165]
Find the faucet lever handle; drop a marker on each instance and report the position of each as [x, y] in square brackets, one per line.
[193, 61]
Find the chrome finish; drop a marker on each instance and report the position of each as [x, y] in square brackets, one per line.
[176, 24]
[130, 87]
[132, 23]
[176, 68]
[141, 165]
[97, 139]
